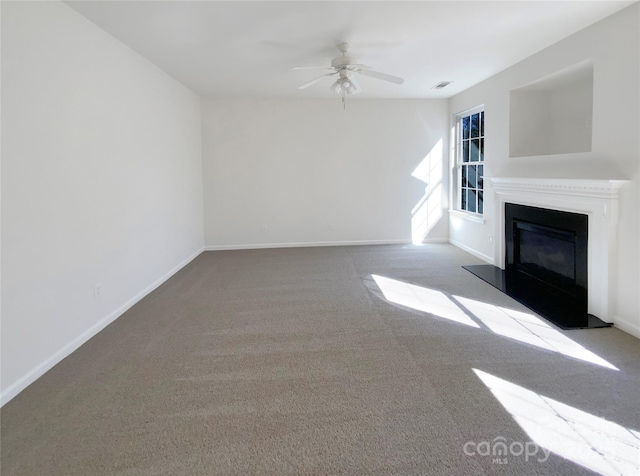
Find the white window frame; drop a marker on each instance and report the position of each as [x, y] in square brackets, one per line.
[457, 172]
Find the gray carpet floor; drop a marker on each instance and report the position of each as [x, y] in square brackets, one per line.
[295, 361]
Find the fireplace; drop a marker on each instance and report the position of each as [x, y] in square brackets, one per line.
[546, 262]
[593, 200]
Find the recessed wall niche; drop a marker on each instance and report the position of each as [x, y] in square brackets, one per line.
[553, 115]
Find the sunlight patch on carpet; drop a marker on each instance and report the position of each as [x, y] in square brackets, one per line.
[590, 441]
[517, 325]
[422, 299]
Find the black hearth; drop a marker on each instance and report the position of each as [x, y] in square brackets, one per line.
[545, 264]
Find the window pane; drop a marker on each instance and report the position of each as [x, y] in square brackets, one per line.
[472, 176]
[475, 125]
[470, 162]
[474, 150]
[471, 200]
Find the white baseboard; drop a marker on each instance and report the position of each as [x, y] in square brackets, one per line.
[39, 370]
[475, 253]
[307, 244]
[626, 326]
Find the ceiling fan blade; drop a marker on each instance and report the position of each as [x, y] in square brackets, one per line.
[314, 81]
[384, 77]
[297, 68]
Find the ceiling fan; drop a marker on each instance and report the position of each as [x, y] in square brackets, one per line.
[346, 67]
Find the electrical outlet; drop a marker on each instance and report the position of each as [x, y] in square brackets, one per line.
[97, 290]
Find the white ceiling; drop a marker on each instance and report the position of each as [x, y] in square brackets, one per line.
[245, 49]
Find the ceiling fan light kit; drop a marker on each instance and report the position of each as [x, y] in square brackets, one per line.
[346, 67]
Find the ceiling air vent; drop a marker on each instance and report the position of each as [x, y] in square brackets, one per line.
[442, 84]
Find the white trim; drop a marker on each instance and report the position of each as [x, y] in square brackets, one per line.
[473, 252]
[467, 216]
[626, 326]
[609, 189]
[310, 244]
[469, 112]
[598, 199]
[40, 369]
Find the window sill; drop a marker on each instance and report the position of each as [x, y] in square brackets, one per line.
[467, 216]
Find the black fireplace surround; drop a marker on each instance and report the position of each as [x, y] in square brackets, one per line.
[546, 263]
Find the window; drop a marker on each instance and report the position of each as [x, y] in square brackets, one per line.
[470, 155]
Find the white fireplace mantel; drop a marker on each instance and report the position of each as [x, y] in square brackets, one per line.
[598, 199]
